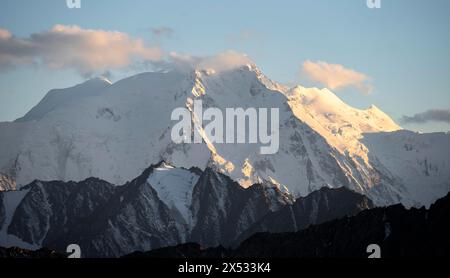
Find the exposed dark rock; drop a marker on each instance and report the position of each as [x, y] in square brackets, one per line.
[110, 221]
[398, 231]
[318, 207]
[224, 209]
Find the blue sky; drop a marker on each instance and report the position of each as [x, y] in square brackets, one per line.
[403, 46]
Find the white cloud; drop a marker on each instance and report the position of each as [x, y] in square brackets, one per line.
[95, 51]
[335, 76]
[224, 61]
[86, 50]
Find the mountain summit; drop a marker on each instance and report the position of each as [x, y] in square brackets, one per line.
[113, 131]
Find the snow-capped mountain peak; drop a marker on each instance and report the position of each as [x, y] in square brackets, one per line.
[112, 131]
[58, 98]
[340, 124]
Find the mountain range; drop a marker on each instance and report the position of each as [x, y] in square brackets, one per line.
[75, 168]
[114, 131]
[107, 220]
[399, 233]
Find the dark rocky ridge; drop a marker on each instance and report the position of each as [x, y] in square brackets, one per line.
[398, 231]
[318, 207]
[224, 209]
[110, 221]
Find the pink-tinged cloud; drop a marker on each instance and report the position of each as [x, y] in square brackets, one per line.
[335, 76]
[5, 34]
[223, 61]
[85, 50]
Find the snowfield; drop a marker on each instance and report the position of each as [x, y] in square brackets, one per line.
[174, 187]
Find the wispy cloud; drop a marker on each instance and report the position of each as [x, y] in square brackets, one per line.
[92, 52]
[432, 115]
[335, 76]
[85, 50]
[223, 61]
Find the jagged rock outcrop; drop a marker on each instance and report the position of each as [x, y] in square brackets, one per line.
[399, 232]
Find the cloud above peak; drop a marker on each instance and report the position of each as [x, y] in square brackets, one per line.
[336, 76]
[224, 61]
[432, 115]
[90, 51]
[85, 50]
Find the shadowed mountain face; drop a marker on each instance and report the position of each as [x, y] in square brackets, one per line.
[316, 208]
[224, 209]
[398, 231]
[111, 221]
[104, 219]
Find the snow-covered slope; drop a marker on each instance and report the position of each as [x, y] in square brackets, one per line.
[174, 187]
[56, 99]
[112, 134]
[340, 124]
[418, 163]
[115, 131]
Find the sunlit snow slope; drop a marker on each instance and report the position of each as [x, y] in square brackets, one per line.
[114, 131]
